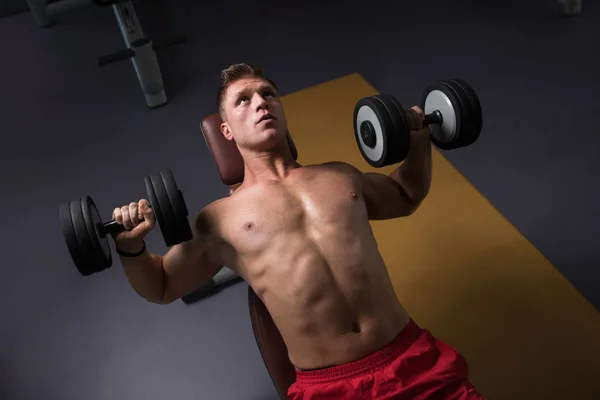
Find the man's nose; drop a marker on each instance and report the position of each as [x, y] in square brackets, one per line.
[260, 102]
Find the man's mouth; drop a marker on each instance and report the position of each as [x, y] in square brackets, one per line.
[265, 118]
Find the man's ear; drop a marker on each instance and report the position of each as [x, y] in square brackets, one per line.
[226, 131]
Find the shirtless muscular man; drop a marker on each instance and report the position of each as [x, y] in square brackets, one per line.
[300, 236]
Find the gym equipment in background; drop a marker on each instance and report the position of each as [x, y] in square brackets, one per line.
[140, 49]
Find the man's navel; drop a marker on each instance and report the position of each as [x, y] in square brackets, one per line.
[248, 225]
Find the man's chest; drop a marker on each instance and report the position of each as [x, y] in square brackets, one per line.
[308, 206]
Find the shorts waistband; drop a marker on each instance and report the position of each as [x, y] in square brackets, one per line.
[373, 361]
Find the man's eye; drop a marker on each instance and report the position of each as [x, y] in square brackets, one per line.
[242, 99]
[269, 94]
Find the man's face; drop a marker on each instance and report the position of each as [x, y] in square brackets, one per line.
[254, 115]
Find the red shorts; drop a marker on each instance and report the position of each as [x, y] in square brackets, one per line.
[414, 366]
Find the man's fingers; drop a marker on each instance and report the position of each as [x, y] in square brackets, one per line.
[426, 130]
[146, 212]
[117, 216]
[414, 118]
[133, 214]
[419, 112]
[126, 219]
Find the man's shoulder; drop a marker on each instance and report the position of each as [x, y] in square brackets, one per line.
[339, 166]
[342, 169]
[208, 219]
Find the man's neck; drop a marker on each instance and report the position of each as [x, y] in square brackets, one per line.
[267, 166]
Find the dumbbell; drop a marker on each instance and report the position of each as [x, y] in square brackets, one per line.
[86, 235]
[452, 112]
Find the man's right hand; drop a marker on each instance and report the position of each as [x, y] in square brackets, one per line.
[138, 220]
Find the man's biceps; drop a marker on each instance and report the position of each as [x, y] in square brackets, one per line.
[182, 255]
[211, 258]
[186, 275]
[210, 248]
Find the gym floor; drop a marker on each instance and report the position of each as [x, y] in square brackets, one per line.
[71, 128]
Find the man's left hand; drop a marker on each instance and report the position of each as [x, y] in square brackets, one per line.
[414, 118]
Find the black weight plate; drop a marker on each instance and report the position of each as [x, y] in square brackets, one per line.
[92, 222]
[93, 258]
[475, 113]
[68, 231]
[404, 141]
[399, 140]
[474, 99]
[154, 203]
[462, 112]
[183, 232]
[466, 113]
[168, 226]
[466, 110]
[455, 116]
[370, 110]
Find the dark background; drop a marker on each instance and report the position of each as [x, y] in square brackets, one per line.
[71, 128]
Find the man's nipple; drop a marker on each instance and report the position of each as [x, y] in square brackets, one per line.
[248, 225]
[353, 196]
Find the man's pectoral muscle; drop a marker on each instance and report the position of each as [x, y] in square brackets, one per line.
[385, 196]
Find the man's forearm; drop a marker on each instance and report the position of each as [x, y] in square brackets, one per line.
[145, 273]
[414, 174]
